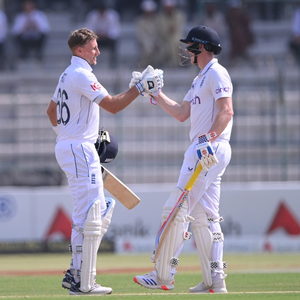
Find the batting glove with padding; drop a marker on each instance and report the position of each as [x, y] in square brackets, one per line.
[205, 151]
[138, 77]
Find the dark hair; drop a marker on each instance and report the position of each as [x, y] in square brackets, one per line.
[80, 37]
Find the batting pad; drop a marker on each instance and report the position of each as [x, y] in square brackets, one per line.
[166, 259]
[217, 264]
[110, 205]
[90, 245]
[204, 241]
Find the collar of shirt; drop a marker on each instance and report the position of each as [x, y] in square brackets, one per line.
[207, 67]
[76, 60]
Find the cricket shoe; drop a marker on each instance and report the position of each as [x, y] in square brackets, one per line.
[96, 289]
[151, 281]
[67, 280]
[218, 286]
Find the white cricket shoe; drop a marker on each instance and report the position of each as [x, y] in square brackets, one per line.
[151, 281]
[96, 289]
[218, 286]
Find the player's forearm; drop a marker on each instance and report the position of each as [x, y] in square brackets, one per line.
[221, 121]
[114, 104]
[52, 113]
[172, 107]
[53, 121]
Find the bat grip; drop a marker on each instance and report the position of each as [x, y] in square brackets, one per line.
[193, 178]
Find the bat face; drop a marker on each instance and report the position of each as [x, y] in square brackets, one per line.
[119, 190]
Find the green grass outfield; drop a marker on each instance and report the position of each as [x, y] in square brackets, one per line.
[255, 276]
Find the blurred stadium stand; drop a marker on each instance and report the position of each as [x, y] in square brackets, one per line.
[265, 139]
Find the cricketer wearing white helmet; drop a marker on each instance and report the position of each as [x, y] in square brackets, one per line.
[208, 104]
[74, 114]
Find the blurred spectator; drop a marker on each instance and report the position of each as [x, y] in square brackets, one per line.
[191, 7]
[30, 28]
[105, 22]
[128, 10]
[241, 35]
[295, 40]
[171, 22]
[3, 35]
[80, 9]
[271, 10]
[147, 35]
[215, 19]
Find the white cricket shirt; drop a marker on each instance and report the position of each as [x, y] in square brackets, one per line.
[211, 84]
[78, 95]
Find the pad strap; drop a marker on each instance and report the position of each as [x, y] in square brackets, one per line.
[218, 265]
[74, 272]
[215, 220]
[174, 262]
[78, 228]
[218, 237]
[77, 249]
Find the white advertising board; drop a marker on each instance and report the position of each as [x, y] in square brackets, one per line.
[257, 217]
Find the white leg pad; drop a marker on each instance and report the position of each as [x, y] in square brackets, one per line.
[167, 259]
[90, 245]
[204, 241]
[94, 229]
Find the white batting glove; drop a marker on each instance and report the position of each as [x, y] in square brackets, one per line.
[160, 72]
[148, 70]
[205, 151]
[151, 83]
[138, 76]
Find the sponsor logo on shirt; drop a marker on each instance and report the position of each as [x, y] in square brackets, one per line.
[63, 77]
[196, 100]
[223, 89]
[93, 179]
[96, 86]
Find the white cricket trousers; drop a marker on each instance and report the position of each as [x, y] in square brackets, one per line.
[80, 162]
[205, 191]
[207, 188]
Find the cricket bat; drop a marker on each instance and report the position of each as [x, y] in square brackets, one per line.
[166, 226]
[119, 190]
